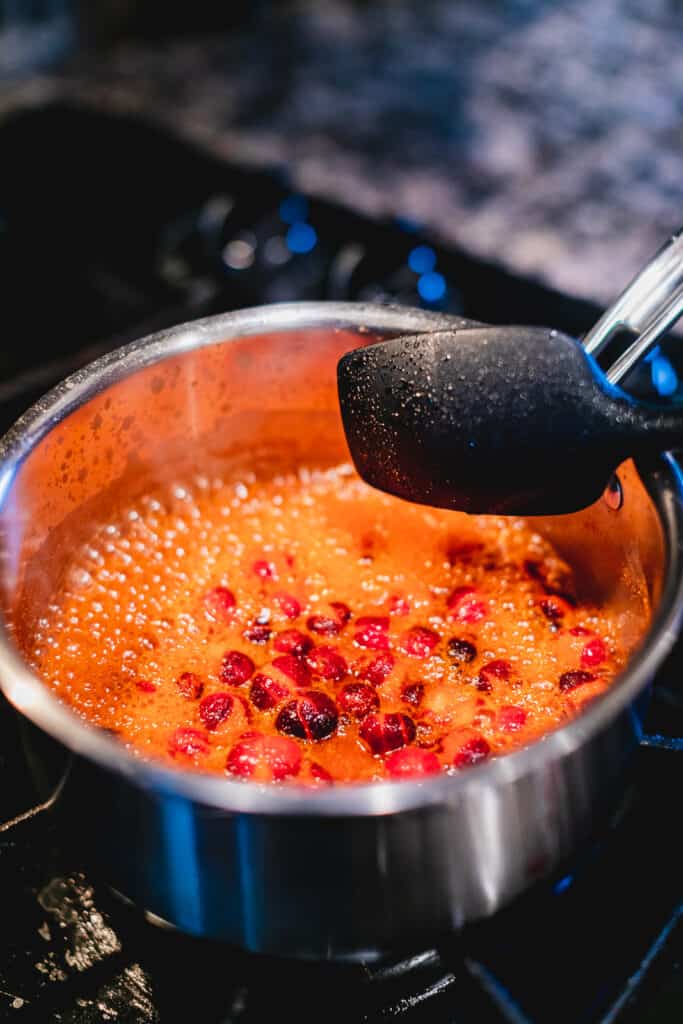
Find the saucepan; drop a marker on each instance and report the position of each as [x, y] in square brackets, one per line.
[343, 872]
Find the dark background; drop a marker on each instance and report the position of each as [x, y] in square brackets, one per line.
[544, 135]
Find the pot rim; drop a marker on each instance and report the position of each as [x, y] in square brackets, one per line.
[31, 696]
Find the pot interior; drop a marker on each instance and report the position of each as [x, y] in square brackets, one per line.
[258, 404]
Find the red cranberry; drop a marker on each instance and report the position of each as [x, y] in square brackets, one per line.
[399, 605]
[342, 611]
[372, 632]
[483, 685]
[358, 699]
[220, 603]
[264, 758]
[320, 774]
[373, 623]
[577, 677]
[579, 631]
[554, 607]
[323, 625]
[511, 718]
[411, 763]
[146, 685]
[266, 693]
[215, 709]
[266, 570]
[413, 693]
[257, 634]
[188, 743]
[465, 605]
[594, 653]
[293, 641]
[419, 642]
[385, 732]
[472, 752]
[190, 685]
[313, 716]
[327, 663]
[236, 668]
[497, 669]
[288, 605]
[294, 669]
[379, 669]
[462, 551]
[461, 651]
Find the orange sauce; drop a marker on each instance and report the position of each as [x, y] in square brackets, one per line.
[311, 629]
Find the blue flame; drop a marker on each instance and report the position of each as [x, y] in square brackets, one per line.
[294, 208]
[301, 238]
[422, 259]
[431, 286]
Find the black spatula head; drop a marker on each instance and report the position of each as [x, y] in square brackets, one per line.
[509, 420]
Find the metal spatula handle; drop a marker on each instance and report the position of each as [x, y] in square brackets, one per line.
[649, 306]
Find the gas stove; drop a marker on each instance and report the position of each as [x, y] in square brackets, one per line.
[110, 229]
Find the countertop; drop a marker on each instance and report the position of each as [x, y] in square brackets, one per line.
[545, 136]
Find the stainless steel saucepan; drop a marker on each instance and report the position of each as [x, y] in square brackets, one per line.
[346, 872]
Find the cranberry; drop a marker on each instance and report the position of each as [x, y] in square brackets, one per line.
[413, 693]
[266, 693]
[236, 668]
[220, 603]
[372, 632]
[497, 669]
[319, 773]
[483, 685]
[215, 709]
[594, 653]
[373, 623]
[379, 669]
[323, 625]
[288, 605]
[577, 677]
[342, 611]
[293, 641]
[511, 718]
[411, 763]
[466, 606]
[461, 651]
[257, 634]
[385, 732]
[399, 605]
[188, 743]
[146, 686]
[419, 642]
[471, 752]
[462, 551]
[190, 685]
[372, 641]
[313, 716]
[294, 668]
[579, 631]
[264, 758]
[327, 663]
[554, 607]
[358, 699]
[266, 570]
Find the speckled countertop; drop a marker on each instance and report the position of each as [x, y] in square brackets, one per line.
[548, 136]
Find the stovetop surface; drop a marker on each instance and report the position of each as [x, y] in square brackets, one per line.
[104, 249]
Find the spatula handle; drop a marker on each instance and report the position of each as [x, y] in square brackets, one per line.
[649, 307]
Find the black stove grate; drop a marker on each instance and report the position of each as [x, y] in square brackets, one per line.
[88, 268]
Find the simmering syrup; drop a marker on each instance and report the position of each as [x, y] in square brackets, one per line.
[310, 629]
